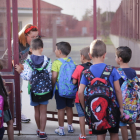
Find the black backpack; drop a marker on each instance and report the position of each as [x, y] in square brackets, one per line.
[40, 83]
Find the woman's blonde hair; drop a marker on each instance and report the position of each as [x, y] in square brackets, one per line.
[22, 35]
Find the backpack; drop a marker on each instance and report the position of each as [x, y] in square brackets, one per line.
[130, 93]
[40, 83]
[86, 66]
[100, 104]
[1, 111]
[65, 85]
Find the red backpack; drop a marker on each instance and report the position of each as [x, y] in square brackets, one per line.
[100, 103]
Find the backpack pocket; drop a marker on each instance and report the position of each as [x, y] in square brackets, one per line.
[41, 98]
[97, 110]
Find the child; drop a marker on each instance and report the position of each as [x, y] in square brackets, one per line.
[123, 56]
[97, 54]
[62, 51]
[39, 62]
[6, 115]
[85, 60]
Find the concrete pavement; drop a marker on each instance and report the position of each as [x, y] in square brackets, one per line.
[29, 129]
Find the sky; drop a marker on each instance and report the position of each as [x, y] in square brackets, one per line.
[78, 7]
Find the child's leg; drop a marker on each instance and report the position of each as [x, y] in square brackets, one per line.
[114, 136]
[82, 125]
[133, 131]
[124, 132]
[69, 115]
[61, 113]
[10, 130]
[37, 115]
[101, 137]
[43, 118]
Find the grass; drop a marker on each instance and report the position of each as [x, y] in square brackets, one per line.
[107, 40]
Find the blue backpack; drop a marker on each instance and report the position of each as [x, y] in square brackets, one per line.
[65, 86]
[40, 84]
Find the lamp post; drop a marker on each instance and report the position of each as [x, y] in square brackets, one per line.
[94, 20]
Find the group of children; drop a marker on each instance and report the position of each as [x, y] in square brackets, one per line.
[84, 76]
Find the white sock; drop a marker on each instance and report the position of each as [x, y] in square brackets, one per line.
[42, 132]
[69, 124]
[60, 127]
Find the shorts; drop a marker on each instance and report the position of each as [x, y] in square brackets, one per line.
[37, 103]
[111, 130]
[7, 115]
[80, 110]
[62, 102]
[125, 124]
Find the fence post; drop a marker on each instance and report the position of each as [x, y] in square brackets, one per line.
[94, 20]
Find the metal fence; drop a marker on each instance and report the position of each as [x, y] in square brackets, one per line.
[126, 20]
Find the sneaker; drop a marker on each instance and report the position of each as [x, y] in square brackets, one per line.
[24, 119]
[60, 131]
[14, 124]
[43, 136]
[90, 131]
[82, 137]
[38, 133]
[70, 129]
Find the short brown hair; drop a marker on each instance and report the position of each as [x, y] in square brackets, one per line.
[65, 47]
[97, 48]
[85, 53]
[125, 53]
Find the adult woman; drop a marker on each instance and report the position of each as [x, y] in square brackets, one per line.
[28, 33]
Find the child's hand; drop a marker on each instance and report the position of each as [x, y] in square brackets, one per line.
[121, 111]
[18, 68]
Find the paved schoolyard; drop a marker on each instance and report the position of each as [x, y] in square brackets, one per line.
[29, 130]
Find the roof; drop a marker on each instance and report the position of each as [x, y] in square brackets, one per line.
[27, 4]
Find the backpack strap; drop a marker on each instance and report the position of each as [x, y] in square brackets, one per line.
[63, 61]
[106, 74]
[88, 75]
[30, 64]
[122, 74]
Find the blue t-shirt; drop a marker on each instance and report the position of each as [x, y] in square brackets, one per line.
[130, 73]
[97, 70]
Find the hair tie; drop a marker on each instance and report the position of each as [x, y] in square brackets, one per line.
[29, 29]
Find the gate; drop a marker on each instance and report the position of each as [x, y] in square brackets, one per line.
[8, 73]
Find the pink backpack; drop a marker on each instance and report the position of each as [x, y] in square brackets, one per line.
[1, 111]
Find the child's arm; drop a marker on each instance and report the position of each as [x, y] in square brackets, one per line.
[75, 81]
[54, 77]
[119, 95]
[26, 73]
[81, 94]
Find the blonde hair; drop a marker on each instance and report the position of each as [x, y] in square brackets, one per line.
[97, 48]
[22, 35]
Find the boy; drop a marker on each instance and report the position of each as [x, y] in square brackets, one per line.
[63, 104]
[123, 56]
[97, 54]
[39, 62]
[85, 60]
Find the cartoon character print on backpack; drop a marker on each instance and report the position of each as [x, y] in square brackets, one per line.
[100, 102]
[130, 93]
